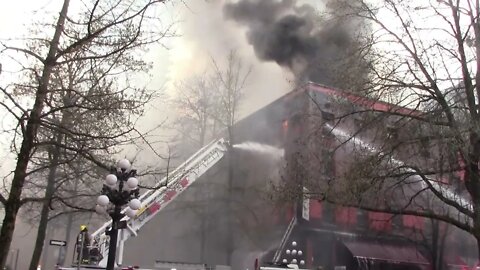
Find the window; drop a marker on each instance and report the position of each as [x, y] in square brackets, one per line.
[380, 221]
[329, 163]
[425, 147]
[345, 215]
[392, 132]
[316, 209]
[413, 222]
[327, 116]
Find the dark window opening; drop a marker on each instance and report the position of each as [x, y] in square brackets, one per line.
[329, 213]
[425, 147]
[358, 122]
[392, 133]
[328, 105]
[329, 161]
[327, 116]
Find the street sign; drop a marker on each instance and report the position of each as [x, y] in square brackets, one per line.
[59, 243]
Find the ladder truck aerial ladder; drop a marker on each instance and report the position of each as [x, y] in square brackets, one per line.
[155, 200]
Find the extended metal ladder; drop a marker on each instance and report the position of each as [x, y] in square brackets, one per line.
[155, 200]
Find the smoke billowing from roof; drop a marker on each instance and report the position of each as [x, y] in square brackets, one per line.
[294, 36]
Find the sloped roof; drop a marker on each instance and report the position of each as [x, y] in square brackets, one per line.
[363, 101]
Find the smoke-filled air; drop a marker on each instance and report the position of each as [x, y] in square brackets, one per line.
[297, 36]
[268, 150]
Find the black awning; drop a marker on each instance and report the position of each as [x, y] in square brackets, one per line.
[383, 252]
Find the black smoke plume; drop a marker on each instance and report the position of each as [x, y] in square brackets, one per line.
[295, 36]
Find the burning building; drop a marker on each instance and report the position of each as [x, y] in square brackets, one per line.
[237, 214]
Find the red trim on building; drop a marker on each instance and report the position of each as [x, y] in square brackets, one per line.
[316, 209]
[345, 215]
[376, 105]
[290, 213]
[413, 222]
[380, 221]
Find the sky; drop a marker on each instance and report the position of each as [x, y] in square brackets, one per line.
[203, 33]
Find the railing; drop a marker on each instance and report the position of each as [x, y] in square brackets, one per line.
[285, 238]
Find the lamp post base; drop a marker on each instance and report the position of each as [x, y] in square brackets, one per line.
[112, 249]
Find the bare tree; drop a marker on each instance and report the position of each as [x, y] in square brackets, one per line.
[229, 85]
[208, 104]
[208, 107]
[79, 75]
[195, 104]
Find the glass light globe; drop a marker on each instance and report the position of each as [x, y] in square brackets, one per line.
[300, 253]
[284, 261]
[288, 251]
[112, 187]
[100, 209]
[302, 262]
[134, 204]
[294, 261]
[111, 180]
[131, 213]
[294, 243]
[124, 165]
[103, 200]
[132, 182]
[294, 252]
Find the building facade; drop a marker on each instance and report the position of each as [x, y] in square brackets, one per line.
[239, 212]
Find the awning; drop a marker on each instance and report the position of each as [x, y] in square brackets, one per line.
[383, 252]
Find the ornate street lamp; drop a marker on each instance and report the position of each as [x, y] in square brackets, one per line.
[295, 256]
[120, 188]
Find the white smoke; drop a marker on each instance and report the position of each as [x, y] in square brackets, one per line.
[264, 149]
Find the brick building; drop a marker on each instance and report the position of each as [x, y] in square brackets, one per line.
[238, 224]
[333, 235]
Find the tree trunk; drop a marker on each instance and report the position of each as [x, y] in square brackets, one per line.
[46, 249]
[13, 203]
[68, 228]
[50, 190]
[6, 232]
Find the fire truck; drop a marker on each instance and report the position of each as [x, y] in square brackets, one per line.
[153, 202]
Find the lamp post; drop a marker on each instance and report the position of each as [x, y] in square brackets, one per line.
[120, 188]
[295, 254]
